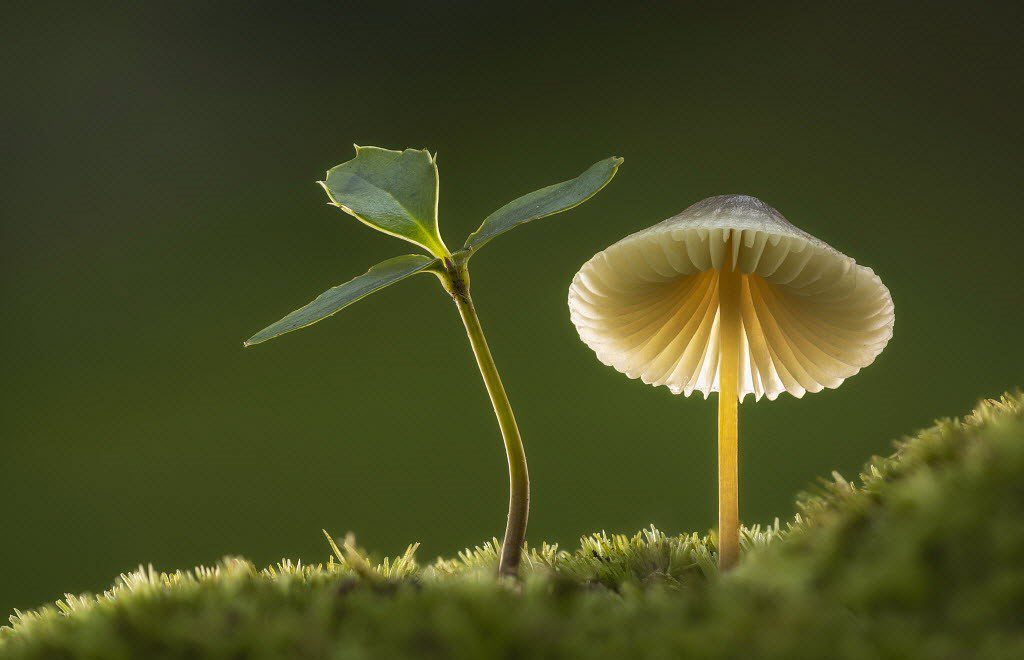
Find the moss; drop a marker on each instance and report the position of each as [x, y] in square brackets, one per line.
[922, 556]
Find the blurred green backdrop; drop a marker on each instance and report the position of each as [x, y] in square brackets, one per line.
[159, 206]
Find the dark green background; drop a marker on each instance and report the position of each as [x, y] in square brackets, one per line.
[159, 206]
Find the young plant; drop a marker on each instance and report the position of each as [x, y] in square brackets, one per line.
[729, 297]
[395, 192]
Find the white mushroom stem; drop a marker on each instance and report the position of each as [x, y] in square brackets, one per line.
[730, 283]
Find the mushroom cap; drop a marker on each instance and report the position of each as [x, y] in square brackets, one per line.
[812, 317]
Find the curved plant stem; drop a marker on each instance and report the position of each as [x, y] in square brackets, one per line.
[519, 480]
[729, 285]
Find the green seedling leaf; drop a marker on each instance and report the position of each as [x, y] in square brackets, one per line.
[335, 299]
[392, 191]
[546, 201]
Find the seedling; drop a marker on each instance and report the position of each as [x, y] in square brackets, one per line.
[396, 192]
[729, 297]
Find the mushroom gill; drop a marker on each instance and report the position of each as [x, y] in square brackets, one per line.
[810, 316]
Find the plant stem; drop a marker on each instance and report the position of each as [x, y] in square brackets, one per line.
[457, 284]
[729, 328]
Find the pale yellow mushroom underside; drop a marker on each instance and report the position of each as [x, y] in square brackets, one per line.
[812, 317]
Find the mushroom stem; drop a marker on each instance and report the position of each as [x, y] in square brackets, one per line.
[456, 280]
[729, 329]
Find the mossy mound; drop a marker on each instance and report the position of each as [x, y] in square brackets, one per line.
[922, 557]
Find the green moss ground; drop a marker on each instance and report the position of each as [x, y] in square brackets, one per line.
[921, 557]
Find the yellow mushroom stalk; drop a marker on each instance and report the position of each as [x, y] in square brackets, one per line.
[729, 297]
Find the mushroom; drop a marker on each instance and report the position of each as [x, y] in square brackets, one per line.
[729, 297]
